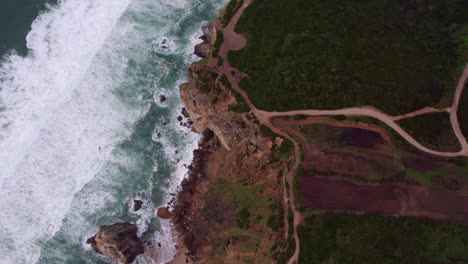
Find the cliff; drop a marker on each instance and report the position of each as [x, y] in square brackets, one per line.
[230, 209]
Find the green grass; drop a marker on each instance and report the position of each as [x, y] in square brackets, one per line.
[347, 238]
[432, 130]
[426, 178]
[396, 55]
[231, 9]
[240, 106]
[463, 111]
[250, 207]
[203, 61]
[243, 218]
[219, 40]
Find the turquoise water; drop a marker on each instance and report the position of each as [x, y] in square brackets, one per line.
[82, 130]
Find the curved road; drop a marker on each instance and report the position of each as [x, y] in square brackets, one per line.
[233, 41]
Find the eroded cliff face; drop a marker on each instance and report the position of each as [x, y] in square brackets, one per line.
[231, 207]
[207, 101]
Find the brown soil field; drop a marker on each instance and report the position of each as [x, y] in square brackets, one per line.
[360, 138]
[332, 194]
[333, 148]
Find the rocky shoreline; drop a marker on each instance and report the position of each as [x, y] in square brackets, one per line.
[234, 154]
[233, 151]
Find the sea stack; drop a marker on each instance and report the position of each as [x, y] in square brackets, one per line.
[118, 241]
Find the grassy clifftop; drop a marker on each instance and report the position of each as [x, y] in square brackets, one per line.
[398, 56]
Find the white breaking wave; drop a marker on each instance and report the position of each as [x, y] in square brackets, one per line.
[65, 107]
[52, 121]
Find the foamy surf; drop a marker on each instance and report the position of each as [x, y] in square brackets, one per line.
[78, 119]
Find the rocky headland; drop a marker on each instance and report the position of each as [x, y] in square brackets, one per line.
[233, 197]
[118, 241]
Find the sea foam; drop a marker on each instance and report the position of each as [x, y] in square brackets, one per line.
[66, 108]
[48, 112]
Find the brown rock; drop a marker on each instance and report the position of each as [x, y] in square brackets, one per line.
[118, 241]
[185, 112]
[202, 50]
[137, 205]
[163, 212]
[184, 182]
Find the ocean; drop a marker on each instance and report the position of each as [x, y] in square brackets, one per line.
[83, 131]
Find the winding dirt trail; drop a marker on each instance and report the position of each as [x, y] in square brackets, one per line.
[454, 109]
[234, 41]
[423, 111]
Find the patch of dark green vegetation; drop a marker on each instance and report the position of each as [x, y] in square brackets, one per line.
[243, 218]
[463, 109]
[220, 62]
[231, 9]
[348, 238]
[217, 45]
[283, 250]
[240, 106]
[398, 56]
[275, 220]
[267, 132]
[297, 197]
[432, 130]
[206, 81]
[300, 117]
[286, 147]
[203, 61]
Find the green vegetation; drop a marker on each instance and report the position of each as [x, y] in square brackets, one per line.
[234, 211]
[275, 220]
[283, 250]
[347, 238]
[463, 110]
[432, 130]
[396, 55]
[203, 61]
[243, 218]
[240, 106]
[219, 40]
[231, 9]
[296, 191]
[266, 132]
[456, 170]
[286, 147]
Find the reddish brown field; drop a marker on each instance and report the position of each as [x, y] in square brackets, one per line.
[332, 194]
[360, 138]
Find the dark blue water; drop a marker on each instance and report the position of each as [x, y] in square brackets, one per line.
[16, 17]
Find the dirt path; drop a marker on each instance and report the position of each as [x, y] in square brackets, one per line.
[374, 113]
[423, 111]
[233, 41]
[454, 109]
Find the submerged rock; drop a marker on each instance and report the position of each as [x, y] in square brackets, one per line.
[163, 212]
[137, 205]
[118, 241]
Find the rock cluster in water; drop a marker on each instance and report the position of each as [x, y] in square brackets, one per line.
[202, 50]
[118, 241]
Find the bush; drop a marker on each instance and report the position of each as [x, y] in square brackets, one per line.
[243, 218]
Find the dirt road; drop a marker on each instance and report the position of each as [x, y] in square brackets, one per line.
[234, 41]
